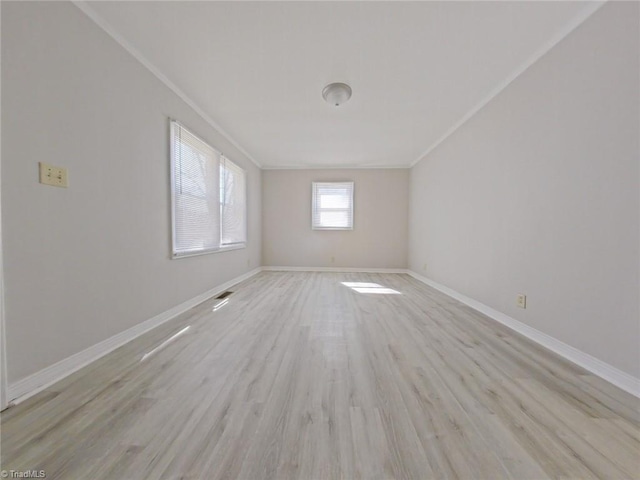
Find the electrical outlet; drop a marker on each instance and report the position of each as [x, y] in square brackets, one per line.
[54, 176]
[424, 267]
[521, 300]
[333, 259]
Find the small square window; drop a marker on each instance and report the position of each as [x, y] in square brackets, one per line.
[332, 206]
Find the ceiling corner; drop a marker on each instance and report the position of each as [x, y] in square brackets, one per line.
[84, 6]
[591, 8]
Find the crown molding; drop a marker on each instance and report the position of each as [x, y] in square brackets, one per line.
[592, 7]
[104, 25]
[335, 167]
[589, 10]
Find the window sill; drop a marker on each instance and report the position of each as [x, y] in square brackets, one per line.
[332, 228]
[226, 248]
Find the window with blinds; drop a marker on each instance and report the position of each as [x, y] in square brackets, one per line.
[208, 206]
[233, 203]
[332, 206]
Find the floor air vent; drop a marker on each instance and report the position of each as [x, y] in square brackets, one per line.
[224, 295]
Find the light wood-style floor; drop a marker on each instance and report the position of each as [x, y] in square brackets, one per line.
[300, 376]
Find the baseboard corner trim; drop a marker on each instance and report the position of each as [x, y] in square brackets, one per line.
[333, 269]
[19, 391]
[611, 374]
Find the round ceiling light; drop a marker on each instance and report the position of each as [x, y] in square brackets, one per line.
[336, 93]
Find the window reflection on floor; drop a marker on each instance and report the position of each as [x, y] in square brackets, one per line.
[165, 343]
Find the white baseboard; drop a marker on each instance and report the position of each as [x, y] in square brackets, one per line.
[608, 372]
[29, 386]
[334, 269]
[25, 388]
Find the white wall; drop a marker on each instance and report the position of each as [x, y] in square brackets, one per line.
[87, 262]
[379, 237]
[3, 358]
[538, 194]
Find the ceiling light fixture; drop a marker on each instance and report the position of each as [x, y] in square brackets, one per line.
[336, 93]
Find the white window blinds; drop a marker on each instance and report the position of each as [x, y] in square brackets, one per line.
[208, 197]
[332, 206]
[233, 203]
[196, 209]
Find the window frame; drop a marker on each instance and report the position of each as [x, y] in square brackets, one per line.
[242, 244]
[314, 197]
[172, 187]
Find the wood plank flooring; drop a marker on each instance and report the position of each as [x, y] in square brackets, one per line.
[301, 376]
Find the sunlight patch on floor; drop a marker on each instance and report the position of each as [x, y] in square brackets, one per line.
[366, 287]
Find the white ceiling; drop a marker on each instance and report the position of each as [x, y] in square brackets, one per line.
[417, 69]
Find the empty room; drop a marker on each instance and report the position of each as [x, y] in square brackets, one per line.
[320, 240]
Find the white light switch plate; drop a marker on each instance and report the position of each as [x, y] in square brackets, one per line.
[55, 176]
